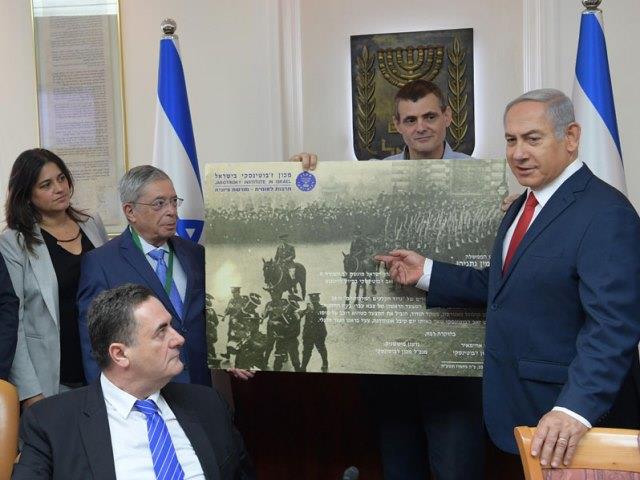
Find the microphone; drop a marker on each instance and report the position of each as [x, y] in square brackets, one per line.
[351, 473]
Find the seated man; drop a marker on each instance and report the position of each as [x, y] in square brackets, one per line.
[131, 423]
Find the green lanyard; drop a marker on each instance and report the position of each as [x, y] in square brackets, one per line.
[169, 280]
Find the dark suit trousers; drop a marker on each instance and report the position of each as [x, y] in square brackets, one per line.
[428, 423]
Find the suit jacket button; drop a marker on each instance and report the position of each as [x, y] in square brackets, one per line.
[494, 306]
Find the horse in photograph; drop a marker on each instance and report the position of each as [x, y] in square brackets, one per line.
[280, 279]
[359, 270]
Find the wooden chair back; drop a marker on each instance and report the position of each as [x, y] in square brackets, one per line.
[611, 449]
[9, 418]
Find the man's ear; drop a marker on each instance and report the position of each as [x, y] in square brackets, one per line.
[447, 116]
[129, 213]
[572, 137]
[118, 354]
[396, 123]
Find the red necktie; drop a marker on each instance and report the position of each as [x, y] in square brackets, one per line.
[521, 229]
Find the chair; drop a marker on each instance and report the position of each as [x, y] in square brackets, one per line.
[9, 417]
[612, 450]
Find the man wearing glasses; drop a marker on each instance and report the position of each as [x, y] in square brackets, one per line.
[149, 253]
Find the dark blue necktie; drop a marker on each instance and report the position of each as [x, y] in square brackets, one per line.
[161, 272]
[163, 453]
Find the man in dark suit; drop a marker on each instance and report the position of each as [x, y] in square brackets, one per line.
[8, 321]
[562, 291]
[149, 253]
[131, 423]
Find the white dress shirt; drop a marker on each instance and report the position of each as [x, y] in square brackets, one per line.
[130, 440]
[179, 277]
[542, 195]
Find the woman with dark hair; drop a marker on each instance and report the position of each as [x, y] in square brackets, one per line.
[42, 245]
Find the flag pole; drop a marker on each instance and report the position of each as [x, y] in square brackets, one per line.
[591, 4]
[169, 26]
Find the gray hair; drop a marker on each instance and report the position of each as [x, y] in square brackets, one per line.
[559, 108]
[111, 319]
[135, 180]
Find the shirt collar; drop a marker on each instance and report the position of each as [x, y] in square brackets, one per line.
[545, 193]
[147, 247]
[446, 153]
[121, 401]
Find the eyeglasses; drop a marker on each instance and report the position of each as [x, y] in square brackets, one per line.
[161, 203]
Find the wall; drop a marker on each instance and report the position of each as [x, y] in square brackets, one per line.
[229, 54]
[18, 122]
[267, 78]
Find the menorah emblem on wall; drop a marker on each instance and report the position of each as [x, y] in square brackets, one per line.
[401, 65]
[382, 63]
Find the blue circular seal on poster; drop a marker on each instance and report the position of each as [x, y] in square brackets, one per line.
[306, 181]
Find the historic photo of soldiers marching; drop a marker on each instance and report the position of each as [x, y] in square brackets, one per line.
[291, 279]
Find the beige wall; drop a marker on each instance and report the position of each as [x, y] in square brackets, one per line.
[267, 77]
[228, 56]
[18, 124]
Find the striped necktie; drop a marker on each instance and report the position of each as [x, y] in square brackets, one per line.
[161, 272]
[163, 454]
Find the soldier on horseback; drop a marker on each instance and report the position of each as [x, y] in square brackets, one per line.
[285, 256]
[360, 245]
[280, 278]
[359, 265]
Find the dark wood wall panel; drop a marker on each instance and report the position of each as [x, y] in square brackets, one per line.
[314, 426]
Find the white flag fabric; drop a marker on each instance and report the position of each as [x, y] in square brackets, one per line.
[593, 102]
[174, 148]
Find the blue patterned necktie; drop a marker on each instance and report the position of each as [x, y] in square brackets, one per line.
[161, 272]
[163, 454]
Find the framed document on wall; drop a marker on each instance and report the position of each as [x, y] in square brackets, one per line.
[80, 98]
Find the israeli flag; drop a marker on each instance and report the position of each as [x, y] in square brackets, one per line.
[174, 150]
[593, 102]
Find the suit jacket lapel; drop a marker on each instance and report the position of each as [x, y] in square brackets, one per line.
[195, 433]
[186, 262]
[44, 272]
[95, 433]
[132, 255]
[558, 203]
[495, 271]
[45, 275]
